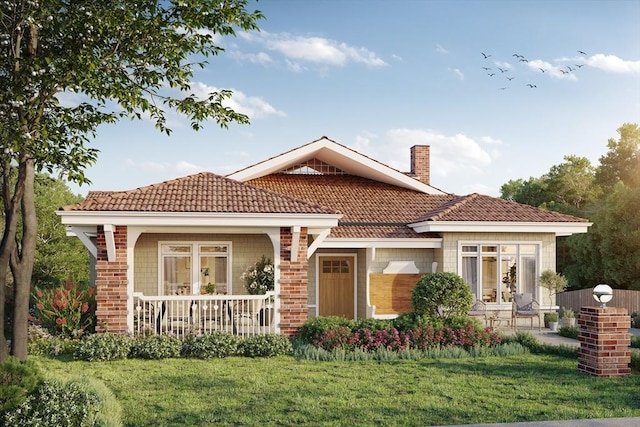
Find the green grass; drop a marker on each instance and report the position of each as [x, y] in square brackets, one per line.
[285, 391]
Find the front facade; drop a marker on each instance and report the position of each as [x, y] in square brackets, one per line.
[347, 236]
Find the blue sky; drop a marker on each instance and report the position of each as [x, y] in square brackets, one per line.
[381, 76]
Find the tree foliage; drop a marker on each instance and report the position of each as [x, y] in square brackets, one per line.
[609, 195]
[442, 294]
[124, 58]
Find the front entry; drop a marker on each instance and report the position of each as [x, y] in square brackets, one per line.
[336, 279]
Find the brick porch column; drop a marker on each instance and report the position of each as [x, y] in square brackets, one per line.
[604, 341]
[111, 284]
[294, 295]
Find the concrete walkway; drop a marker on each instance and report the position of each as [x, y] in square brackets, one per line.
[545, 336]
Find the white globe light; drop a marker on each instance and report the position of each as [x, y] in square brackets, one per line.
[603, 294]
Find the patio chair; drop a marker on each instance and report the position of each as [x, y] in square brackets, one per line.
[524, 305]
[479, 309]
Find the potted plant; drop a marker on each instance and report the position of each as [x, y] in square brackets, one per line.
[258, 280]
[553, 282]
[210, 288]
[551, 320]
[509, 279]
[568, 316]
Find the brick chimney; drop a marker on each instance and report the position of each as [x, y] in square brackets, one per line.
[420, 163]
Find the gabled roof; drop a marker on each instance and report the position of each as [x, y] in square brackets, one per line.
[339, 156]
[203, 192]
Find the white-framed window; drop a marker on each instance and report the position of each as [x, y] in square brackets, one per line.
[186, 266]
[496, 270]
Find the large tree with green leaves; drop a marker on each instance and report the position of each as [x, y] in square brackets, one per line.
[622, 160]
[137, 54]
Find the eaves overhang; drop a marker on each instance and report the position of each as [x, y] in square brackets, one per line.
[195, 219]
[558, 228]
[339, 156]
[357, 243]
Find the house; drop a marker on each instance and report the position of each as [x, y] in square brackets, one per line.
[348, 236]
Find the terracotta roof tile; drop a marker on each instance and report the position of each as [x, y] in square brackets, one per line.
[378, 232]
[367, 202]
[203, 192]
[477, 207]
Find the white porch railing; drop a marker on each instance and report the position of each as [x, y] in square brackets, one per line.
[179, 315]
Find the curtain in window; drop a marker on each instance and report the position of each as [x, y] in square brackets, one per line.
[470, 273]
[528, 275]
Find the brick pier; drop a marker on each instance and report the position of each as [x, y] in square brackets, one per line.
[604, 341]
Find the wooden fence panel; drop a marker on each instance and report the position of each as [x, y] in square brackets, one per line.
[391, 293]
[584, 298]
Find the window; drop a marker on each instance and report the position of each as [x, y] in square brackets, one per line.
[495, 271]
[177, 275]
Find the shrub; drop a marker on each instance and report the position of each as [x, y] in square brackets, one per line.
[156, 347]
[214, 345]
[79, 402]
[67, 310]
[17, 380]
[635, 320]
[550, 317]
[313, 328]
[388, 339]
[442, 295]
[373, 324]
[635, 341]
[333, 339]
[569, 331]
[265, 346]
[105, 346]
[409, 320]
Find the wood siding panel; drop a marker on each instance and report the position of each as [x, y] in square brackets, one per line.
[391, 293]
[584, 298]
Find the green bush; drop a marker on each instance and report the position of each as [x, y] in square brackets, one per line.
[315, 327]
[550, 317]
[214, 345]
[410, 320]
[635, 341]
[373, 324]
[79, 402]
[442, 294]
[42, 343]
[17, 380]
[569, 331]
[635, 320]
[265, 346]
[156, 347]
[105, 346]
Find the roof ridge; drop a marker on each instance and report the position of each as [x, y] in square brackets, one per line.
[455, 204]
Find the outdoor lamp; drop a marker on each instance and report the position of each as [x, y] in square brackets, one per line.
[603, 294]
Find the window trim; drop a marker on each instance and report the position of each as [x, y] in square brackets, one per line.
[479, 253]
[195, 261]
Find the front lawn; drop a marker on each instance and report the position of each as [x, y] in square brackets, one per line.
[285, 391]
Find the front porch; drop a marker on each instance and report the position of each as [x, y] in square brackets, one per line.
[181, 315]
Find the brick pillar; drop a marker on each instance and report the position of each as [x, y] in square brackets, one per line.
[111, 284]
[604, 341]
[294, 295]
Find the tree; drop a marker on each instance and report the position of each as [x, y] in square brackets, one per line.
[531, 192]
[58, 258]
[138, 54]
[572, 183]
[553, 283]
[622, 161]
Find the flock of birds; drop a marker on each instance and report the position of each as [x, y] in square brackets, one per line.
[497, 70]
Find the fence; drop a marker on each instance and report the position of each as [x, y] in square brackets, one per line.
[584, 298]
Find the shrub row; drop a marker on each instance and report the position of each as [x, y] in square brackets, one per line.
[28, 400]
[423, 337]
[214, 345]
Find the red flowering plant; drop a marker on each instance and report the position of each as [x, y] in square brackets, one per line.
[67, 310]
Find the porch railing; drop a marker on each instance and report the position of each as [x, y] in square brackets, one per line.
[180, 315]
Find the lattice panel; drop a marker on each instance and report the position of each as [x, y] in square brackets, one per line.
[314, 167]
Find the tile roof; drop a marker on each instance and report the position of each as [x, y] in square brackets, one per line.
[378, 232]
[478, 207]
[202, 192]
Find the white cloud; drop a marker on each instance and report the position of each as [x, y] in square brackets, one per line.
[315, 49]
[397, 57]
[164, 169]
[449, 154]
[613, 64]
[441, 49]
[457, 72]
[252, 106]
[554, 71]
[261, 58]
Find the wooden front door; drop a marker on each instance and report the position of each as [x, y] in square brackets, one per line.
[336, 286]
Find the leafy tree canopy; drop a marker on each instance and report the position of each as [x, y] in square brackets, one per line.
[126, 58]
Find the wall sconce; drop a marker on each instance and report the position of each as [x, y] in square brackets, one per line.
[603, 294]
